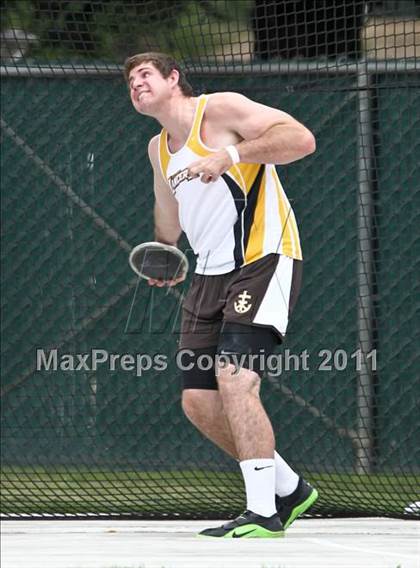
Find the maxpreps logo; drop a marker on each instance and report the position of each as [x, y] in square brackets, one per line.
[178, 177]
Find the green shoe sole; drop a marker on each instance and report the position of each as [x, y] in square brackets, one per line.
[302, 508]
[247, 531]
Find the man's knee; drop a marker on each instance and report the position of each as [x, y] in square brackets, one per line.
[197, 403]
[190, 402]
[234, 382]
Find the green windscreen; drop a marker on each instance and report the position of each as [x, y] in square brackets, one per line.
[85, 434]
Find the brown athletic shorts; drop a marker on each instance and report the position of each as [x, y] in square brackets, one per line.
[262, 293]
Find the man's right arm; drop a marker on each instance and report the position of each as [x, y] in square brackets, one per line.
[167, 227]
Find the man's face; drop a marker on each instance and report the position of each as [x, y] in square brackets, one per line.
[148, 89]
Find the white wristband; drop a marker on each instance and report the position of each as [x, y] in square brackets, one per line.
[233, 153]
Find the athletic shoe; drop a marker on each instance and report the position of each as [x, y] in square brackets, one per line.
[248, 525]
[290, 507]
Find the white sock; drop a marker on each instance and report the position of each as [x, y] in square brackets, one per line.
[286, 479]
[259, 476]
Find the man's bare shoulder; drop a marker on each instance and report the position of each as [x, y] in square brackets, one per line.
[153, 149]
[223, 102]
[153, 145]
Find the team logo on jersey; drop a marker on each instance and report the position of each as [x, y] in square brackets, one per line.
[178, 177]
[242, 305]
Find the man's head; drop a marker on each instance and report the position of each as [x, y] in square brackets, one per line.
[152, 78]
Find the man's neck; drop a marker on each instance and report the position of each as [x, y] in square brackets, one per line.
[177, 118]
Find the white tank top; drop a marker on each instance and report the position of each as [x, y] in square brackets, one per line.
[235, 220]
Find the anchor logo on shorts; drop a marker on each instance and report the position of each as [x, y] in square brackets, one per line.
[243, 306]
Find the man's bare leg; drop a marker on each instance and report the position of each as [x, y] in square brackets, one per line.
[250, 426]
[204, 409]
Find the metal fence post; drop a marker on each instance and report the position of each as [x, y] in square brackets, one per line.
[365, 394]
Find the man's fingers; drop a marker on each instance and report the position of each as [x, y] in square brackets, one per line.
[195, 169]
[210, 168]
[207, 178]
[154, 282]
[162, 283]
[208, 172]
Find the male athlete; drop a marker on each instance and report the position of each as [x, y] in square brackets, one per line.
[215, 180]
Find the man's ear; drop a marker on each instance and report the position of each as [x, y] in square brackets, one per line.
[173, 77]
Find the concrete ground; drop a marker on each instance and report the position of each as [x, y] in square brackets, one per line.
[314, 543]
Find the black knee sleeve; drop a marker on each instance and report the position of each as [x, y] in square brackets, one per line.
[197, 367]
[246, 346]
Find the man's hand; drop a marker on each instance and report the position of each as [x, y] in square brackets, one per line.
[211, 167]
[162, 283]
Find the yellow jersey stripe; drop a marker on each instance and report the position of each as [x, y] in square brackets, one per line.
[244, 175]
[164, 156]
[194, 145]
[295, 241]
[248, 172]
[298, 250]
[193, 141]
[289, 210]
[255, 247]
[285, 245]
[236, 175]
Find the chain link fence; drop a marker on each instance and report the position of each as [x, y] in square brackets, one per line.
[110, 439]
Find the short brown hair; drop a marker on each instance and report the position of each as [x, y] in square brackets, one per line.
[164, 64]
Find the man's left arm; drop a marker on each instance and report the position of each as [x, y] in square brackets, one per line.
[267, 135]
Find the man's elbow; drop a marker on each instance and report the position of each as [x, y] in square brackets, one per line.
[168, 234]
[308, 143]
